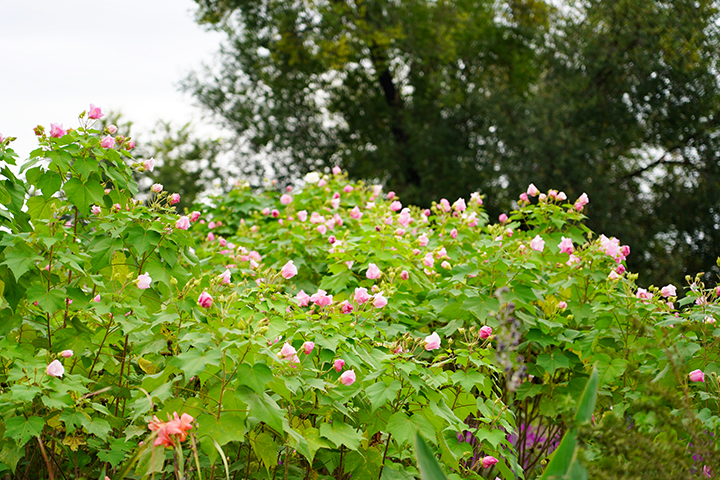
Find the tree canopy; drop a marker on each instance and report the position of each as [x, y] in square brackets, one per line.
[443, 98]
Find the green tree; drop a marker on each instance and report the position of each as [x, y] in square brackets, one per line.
[441, 98]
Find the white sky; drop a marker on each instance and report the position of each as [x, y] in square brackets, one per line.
[57, 57]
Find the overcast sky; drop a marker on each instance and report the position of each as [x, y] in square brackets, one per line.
[57, 57]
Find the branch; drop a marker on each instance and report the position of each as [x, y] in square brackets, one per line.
[660, 161]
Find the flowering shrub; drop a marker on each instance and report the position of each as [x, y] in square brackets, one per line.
[310, 333]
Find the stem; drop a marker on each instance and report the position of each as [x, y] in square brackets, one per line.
[122, 370]
[382, 465]
[107, 332]
[47, 462]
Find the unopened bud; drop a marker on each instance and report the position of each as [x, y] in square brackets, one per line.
[173, 281]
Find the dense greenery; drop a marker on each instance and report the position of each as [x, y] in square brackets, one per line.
[614, 98]
[480, 335]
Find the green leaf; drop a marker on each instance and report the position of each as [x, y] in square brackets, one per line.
[468, 379]
[263, 408]
[255, 376]
[20, 261]
[369, 469]
[611, 371]
[21, 429]
[40, 207]
[266, 449]
[96, 426]
[314, 441]
[49, 182]
[11, 454]
[194, 361]
[142, 240]
[403, 427]
[552, 361]
[84, 195]
[341, 433]
[427, 463]
[228, 428]
[379, 393]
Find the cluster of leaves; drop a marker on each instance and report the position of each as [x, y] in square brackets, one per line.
[77, 250]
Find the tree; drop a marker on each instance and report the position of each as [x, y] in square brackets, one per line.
[442, 98]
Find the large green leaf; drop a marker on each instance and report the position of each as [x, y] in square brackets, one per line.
[552, 361]
[83, 195]
[254, 376]
[427, 463]
[230, 427]
[266, 449]
[263, 408]
[379, 393]
[20, 261]
[21, 429]
[340, 433]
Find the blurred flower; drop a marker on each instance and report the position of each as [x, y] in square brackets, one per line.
[55, 369]
[697, 376]
[373, 272]
[348, 377]
[144, 281]
[289, 270]
[432, 342]
[205, 300]
[339, 364]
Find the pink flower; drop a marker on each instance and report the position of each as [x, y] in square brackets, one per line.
[460, 205]
[302, 298]
[613, 275]
[361, 295]
[562, 305]
[524, 197]
[96, 299]
[429, 260]
[183, 223]
[644, 295]
[225, 276]
[205, 300]
[348, 377]
[174, 198]
[404, 275]
[453, 233]
[582, 200]
[489, 461]
[131, 144]
[94, 113]
[55, 369]
[287, 351]
[416, 251]
[143, 281]
[391, 195]
[285, 199]
[537, 243]
[222, 242]
[149, 164]
[356, 213]
[96, 210]
[404, 218]
[321, 298]
[348, 188]
[668, 291]
[322, 229]
[695, 376]
[532, 190]
[566, 245]
[485, 332]
[432, 342]
[445, 264]
[335, 203]
[423, 240]
[289, 270]
[396, 206]
[336, 170]
[322, 182]
[332, 239]
[308, 347]
[112, 129]
[57, 131]
[346, 307]
[66, 353]
[475, 197]
[255, 256]
[194, 216]
[210, 237]
[445, 205]
[275, 213]
[380, 301]
[157, 187]
[339, 364]
[373, 272]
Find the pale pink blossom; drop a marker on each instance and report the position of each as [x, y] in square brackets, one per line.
[287, 351]
[613, 275]
[322, 182]
[566, 245]
[391, 195]
[404, 218]
[489, 461]
[55, 369]
[336, 170]
[404, 275]
[225, 276]
[582, 200]
[112, 129]
[348, 377]
[308, 347]
[485, 332]
[442, 253]
[429, 260]
[97, 298]
[205, 300]
[66, 353]
[460, 205]
[210, 237]
[445, 205]
[339, 364]
[335, 203]
[361, 295]
[423, 240]
[174, 198]
[668, 291]
[285, 199]
[94, 113]
[380, 301]
[322, 229]
[107, 142]
[149, 164]
[373, 272]
[289, 270]
[562, 305]
[157, 187]
[475, 197]
[453, 233]
[537, 244]
[144, 281]
[644, 295]
[396, 206]
[96, 210]
[302, 298]
[183, 223]
[321, 298]
[57, 131]
[195, 216]
[503, 218]
[432, 341]
[348, 188]
[445, 264]
[695, 376]
[524, 198]
[131, 144]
